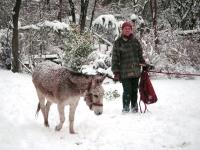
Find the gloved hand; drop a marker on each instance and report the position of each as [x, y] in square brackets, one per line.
[116, 76]
[148, 67]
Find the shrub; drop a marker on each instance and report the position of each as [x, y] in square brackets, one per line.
[111, 95]
[77, 47]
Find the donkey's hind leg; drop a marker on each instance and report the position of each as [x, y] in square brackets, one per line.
[41, 106]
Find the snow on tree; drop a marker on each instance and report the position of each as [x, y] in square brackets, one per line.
[55, 25]
[108, 21]
[108, 25]
[138, 19]
[77, 47]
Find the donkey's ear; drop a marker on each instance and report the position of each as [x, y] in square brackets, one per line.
[103, 78]
[98, 81]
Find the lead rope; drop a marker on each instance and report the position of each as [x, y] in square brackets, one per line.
[186, 74]
[175, 73]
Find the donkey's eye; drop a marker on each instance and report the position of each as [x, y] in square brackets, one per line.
[96, 96]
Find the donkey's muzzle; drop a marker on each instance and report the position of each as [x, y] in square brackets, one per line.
[98, 113]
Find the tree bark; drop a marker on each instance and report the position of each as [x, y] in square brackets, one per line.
[71, 3]
[92, 17]
[48, 5]
[83, 14]
[153, 7]
[15, 40]
[47, 1]
[60, 12]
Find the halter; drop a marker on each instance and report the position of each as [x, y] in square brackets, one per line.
[90, 103]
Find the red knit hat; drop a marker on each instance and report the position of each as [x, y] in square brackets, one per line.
[127, 23]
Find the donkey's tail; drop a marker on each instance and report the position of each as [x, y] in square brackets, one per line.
[38, 109]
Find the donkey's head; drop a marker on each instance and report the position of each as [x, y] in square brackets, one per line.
[94, 96]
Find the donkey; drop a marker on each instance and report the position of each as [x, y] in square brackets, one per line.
[56, 84]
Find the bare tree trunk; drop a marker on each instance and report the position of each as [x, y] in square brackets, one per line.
[119, 2]
[47, 1]
[83, 14]
[92, 17]
[60, 12]
[71, 3]
[144, 7]
[48, 5]
[153, 7]
[15, 42]
[135, 2]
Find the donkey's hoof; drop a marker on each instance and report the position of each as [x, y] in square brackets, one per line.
[46, 124]
[72, 132]
[58, 128]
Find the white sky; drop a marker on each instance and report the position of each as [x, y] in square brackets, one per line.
[173, 123]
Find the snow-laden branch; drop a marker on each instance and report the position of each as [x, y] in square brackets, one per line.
[109, 43]
[185, 32]
[55, 25]
[186, 14]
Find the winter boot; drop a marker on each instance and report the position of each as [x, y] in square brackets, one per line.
[134, 109]
[125, 110]
[126, 103]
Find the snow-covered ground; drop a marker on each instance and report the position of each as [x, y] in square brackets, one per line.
[173, 123]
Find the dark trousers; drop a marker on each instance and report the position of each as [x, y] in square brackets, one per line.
[130, 89]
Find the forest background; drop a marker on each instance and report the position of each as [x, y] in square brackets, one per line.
[79, 33]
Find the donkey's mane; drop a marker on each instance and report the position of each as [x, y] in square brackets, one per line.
[79, 80]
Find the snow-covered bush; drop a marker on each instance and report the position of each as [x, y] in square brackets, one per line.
[175, 53]
[138, 19]
[77, 47]
[38, 40]
[5, 48]
[99, 60]
[108, 26]
[111, 95]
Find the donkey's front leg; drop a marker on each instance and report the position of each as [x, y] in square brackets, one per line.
[71, 117]
[62, 116]
[47, 108]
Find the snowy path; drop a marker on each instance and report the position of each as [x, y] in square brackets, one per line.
[173, 123]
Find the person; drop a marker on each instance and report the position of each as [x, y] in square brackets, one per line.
[127, 56]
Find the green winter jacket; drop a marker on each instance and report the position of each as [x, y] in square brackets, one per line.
[126, 57]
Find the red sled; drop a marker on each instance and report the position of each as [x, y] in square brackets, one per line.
[147, 93]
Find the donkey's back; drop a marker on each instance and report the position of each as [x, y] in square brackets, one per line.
[52, 81]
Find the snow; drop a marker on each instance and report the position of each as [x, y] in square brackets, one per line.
[173, 123]
[55, 25]
[184, 32]
[134, 17]
[137, 18]
[88, 69]
[105, 20]
[108, 21]
[32, 26]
